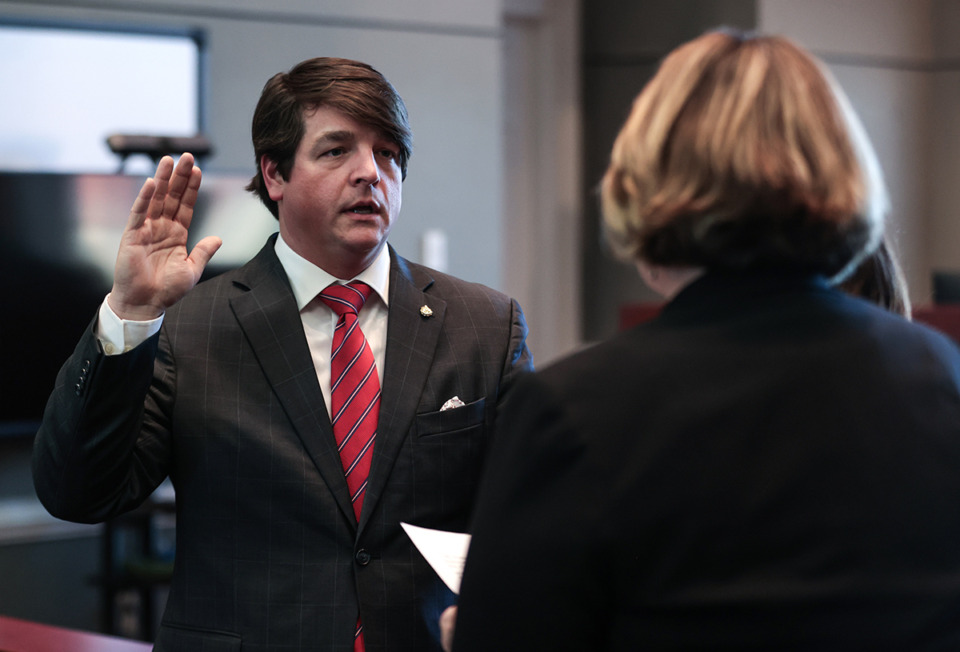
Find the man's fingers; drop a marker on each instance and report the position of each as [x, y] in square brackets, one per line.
[448, 625]
[189, 199]
[181, 193]
[138, 212]
[162, 181]
[204, 250]
[181, 176]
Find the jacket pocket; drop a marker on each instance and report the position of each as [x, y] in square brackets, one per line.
[452, 420]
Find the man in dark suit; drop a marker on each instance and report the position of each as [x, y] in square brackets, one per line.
[227, 388]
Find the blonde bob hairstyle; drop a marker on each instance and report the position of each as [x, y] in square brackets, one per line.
[743, 153]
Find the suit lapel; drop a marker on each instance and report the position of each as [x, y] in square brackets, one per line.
[267, 313]
[411, 343]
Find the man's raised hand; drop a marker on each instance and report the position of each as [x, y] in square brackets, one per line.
[153, 269]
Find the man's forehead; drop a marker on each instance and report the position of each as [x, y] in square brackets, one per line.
[329, 123]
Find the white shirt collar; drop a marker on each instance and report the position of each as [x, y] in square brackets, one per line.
[307, 280]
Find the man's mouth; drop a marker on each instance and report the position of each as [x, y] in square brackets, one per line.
[364, 208]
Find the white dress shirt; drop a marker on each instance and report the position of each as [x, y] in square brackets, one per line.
[307, 280]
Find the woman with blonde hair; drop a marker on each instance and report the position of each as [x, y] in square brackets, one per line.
[771, 463]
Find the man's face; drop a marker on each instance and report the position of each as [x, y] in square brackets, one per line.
[342, 194]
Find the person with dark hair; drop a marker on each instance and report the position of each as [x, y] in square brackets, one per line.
[770, 463]
[303, 405]
[879, 279]
[352, 88]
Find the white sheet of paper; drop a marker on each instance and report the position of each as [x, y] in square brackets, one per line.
[446, 552]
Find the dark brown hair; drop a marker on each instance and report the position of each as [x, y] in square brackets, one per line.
[354, 88]
[879, 279]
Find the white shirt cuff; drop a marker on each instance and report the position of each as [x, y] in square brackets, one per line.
[118, 336]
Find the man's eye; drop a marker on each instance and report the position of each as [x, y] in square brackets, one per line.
[336, 151]
[388, 153]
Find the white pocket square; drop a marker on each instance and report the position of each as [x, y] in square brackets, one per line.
[455, 402]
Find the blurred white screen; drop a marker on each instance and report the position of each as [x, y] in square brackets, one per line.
[66, 90]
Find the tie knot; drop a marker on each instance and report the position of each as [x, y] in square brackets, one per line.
[344, 299]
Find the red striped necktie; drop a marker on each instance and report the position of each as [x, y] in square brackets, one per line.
[354, 395]
[354, 387]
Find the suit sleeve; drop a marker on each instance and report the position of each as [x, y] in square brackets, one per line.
[519, 359]
[93, 458]
[532, 581]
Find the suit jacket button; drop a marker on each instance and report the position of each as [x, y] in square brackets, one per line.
[363, 557]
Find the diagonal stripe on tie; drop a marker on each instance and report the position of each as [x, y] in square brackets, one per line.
[359, 390]
[348, 436]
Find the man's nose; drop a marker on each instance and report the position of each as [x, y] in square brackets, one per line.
[366, 171]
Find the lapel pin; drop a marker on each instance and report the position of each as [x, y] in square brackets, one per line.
[425, 311]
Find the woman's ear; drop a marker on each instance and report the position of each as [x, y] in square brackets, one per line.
[272, 178]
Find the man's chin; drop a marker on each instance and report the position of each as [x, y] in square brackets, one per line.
[366, 247]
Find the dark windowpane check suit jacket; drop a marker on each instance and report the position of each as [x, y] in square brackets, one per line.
[225, 400]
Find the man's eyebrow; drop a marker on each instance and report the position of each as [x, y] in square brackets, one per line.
[331, 137]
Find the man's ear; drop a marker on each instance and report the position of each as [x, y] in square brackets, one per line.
[272, 178]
